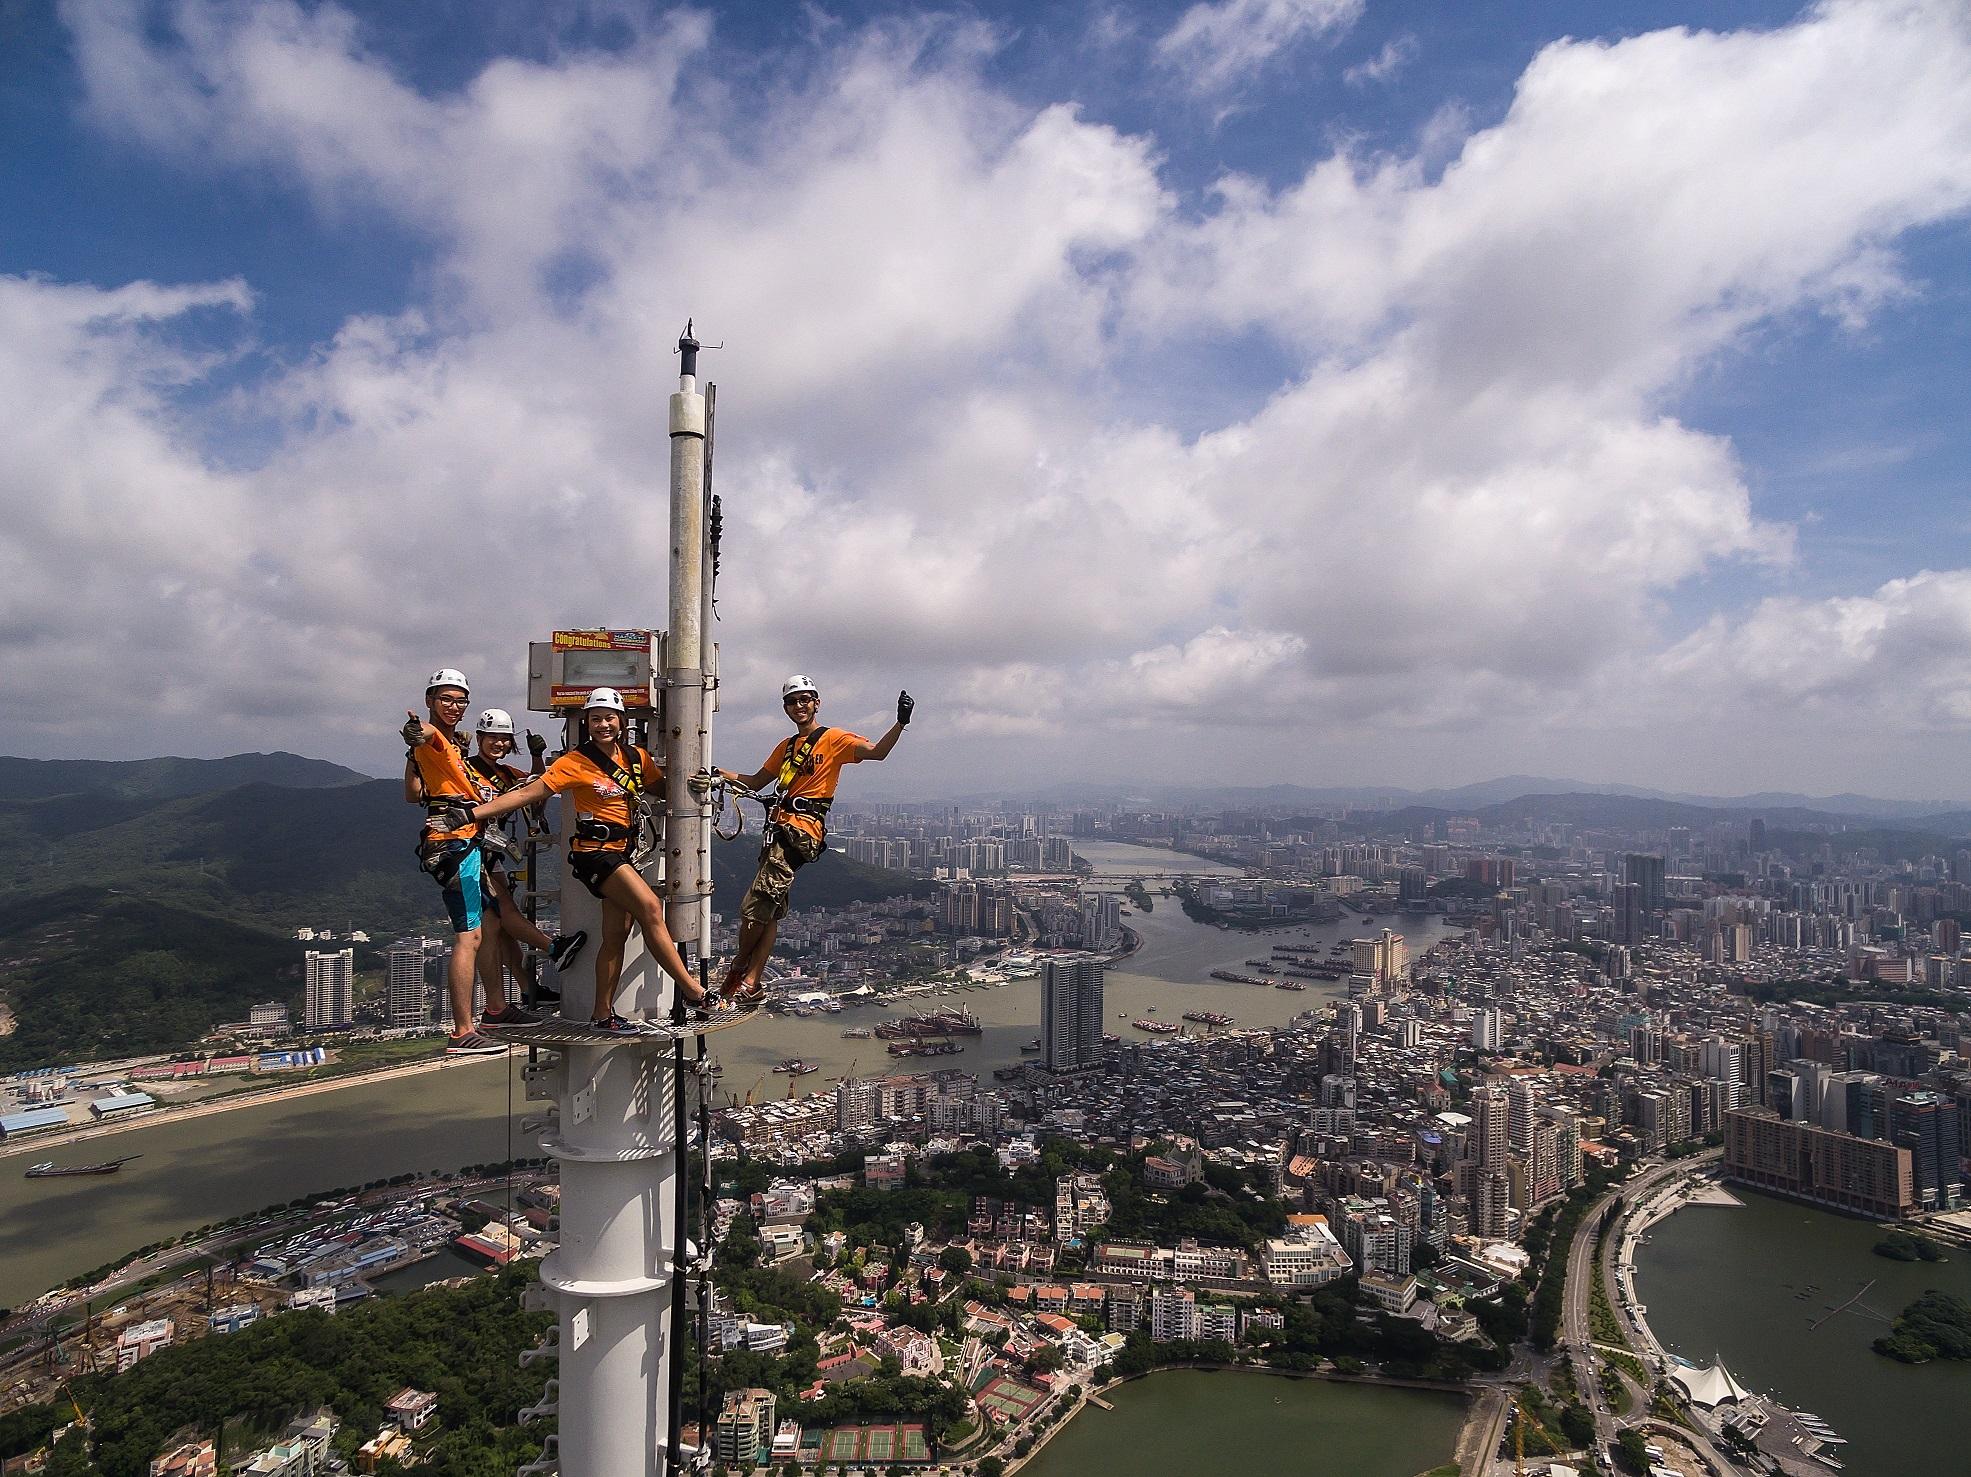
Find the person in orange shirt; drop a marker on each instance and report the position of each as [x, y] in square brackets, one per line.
[806, 766]
[511, 926]
[435, 777]
[606, 780]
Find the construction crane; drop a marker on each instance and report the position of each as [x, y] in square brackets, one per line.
[81, 1416]
[754, 1089]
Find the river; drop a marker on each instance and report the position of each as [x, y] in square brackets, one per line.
[1188, 1423]
[212, 1168]
[1168, 975]
[1743, 1284]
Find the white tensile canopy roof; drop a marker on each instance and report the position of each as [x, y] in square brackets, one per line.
[1709, 1387]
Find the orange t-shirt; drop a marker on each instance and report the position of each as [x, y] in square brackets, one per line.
[594, 792]
[491, 786]
[441, 767]
[819, 772]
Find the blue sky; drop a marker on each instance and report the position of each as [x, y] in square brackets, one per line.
[1303, 389]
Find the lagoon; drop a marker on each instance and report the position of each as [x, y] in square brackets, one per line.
[1187, 1423]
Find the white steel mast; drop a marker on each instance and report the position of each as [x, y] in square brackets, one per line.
[616, 1279]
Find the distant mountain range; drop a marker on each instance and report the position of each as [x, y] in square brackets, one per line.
[1641, 814]
[1469, 799]
[142, 903]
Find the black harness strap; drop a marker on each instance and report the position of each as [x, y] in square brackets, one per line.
[630, 777]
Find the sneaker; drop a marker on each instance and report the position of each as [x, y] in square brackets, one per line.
[473, 1044]
[510, 1015]
[565, 947]
[617, 1025]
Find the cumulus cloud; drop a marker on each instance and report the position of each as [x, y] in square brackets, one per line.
[1896, 657]
[1215, 46]
[1467, 504]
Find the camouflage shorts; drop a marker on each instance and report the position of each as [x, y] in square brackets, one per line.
[786, 852]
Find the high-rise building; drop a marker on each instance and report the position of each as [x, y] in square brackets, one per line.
[1071, 1013]
[1488, 1032]
[407, 998]
[745, 1427]
[331, 1001]
[1491, 1113]
[1519, 1116]
[1925, 1123]
[1384, 958]
[1646, 874]
[1863, 1176]
[1627, 927]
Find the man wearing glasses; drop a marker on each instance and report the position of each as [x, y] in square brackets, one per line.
[435, 777]
[806, 766]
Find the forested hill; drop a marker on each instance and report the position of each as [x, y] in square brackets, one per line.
[133, 918]
[165, 779]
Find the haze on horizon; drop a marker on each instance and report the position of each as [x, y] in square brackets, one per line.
[1247, 392]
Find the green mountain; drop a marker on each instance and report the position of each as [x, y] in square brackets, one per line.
[92, 972]
[165, 779]
[136, 914]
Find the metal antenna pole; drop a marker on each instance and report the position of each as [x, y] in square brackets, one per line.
[687, 833]
[616, 1280]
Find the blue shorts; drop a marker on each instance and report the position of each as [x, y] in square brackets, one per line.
[464, 897]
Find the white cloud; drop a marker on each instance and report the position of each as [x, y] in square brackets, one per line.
[1894, 659]
[1465, 509]
[1216, 46]
[1396, 54]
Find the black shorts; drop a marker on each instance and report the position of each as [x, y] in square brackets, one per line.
[593, 868]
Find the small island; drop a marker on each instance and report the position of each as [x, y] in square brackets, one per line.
[1935, 1326]
[1909, 1246]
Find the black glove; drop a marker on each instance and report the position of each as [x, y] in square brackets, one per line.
[536, 745]
[413, 730]
[905, 703]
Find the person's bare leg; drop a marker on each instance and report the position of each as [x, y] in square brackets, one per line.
[749, 939]
[491, 968]
[513, 962]
[459, 971]
[752, 961]
[515, 924]
[609, 958]
[629, 891]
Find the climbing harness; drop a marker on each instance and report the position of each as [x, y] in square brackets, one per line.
[799, 757]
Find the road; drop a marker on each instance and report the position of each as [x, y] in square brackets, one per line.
[1577, 1329]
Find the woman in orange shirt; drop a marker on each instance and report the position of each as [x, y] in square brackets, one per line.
[605, 779]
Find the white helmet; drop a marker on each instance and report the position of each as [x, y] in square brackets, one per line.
[449, 677]
[798, 683]
[496, 720]
[604, 697]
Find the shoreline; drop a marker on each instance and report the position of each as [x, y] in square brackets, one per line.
[232, 1101]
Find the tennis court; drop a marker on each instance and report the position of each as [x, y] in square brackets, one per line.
[1008, 1401]
[880, 1445]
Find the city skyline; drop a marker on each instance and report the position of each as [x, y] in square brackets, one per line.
[1153, 390]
